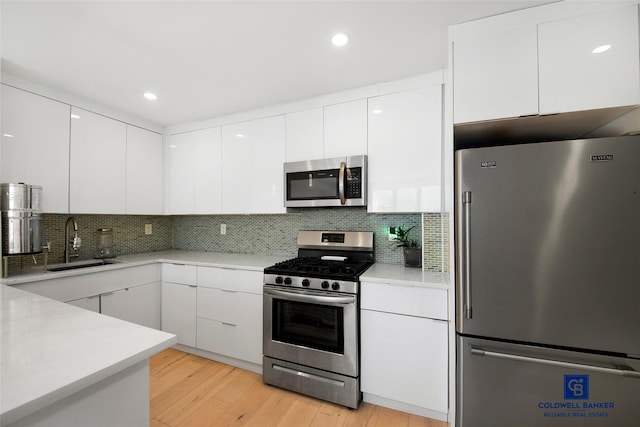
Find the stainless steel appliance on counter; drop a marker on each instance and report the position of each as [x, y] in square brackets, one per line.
[311, 335]
[340, 181]
[548, 284]
[21, 206]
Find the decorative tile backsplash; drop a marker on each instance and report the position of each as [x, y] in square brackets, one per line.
[254, 234]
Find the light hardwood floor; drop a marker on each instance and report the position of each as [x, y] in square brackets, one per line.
[190, 391]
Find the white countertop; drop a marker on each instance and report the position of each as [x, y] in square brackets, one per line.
[51, 350]
[208, 259]
[378, 272]
[396, 274]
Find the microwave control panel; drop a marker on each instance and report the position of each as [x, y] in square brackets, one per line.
[353, 186]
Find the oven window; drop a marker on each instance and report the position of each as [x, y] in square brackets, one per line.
[310, 325]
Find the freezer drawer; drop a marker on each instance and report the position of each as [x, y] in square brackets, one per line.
[505, 385]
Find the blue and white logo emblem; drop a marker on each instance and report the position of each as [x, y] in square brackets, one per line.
[576, 387]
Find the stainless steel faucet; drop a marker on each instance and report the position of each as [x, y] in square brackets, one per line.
[74, 243]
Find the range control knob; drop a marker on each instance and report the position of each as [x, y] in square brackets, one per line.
[287, 280]
[306, 283]
[335, 286]
[279, 280]
[325, 285]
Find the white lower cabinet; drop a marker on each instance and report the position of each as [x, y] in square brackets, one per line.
[237, 341]
[137, 304]
[229, 312]
[404, 358]
[404, 348]
[131, 294]
[179, 311]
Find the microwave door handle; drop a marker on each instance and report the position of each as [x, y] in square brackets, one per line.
[343, 199]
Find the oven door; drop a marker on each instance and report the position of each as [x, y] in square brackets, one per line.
[312, 328]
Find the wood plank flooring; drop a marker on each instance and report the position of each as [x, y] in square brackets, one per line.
[190, 391]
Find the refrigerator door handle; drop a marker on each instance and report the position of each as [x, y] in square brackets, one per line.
[509, 356]
[466, 255]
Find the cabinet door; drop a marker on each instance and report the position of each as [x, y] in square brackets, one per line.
[138, 304]
[495, 76]
[194, 181]
[89, 303]
[573, 78]
[253, 154]
[144, 172]
[208, 166]
[235, 341]
[345, 129]
[305, 135]
[179, 311]
[405, 146]
[415, 349]
[97, 164]
[35, 145]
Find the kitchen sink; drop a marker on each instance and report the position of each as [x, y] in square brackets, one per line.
[80, 264]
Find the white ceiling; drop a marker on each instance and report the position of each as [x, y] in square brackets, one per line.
[207, 59]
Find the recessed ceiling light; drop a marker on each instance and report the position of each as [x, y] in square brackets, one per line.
[377, 111]
[340, 39]
[239, 135]
[150, 96]
[600, 49]
[8, 135]
[75, 116]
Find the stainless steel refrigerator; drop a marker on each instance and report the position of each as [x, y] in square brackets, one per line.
[548, 284]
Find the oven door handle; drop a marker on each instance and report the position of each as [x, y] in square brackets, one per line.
[304, 297]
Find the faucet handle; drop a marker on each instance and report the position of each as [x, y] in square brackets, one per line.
[47, 246]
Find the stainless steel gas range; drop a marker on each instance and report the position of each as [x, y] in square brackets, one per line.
[311, 339]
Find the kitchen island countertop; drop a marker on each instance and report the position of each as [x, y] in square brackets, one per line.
[51, 350]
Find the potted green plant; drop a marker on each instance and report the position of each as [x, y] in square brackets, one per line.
[411, 247]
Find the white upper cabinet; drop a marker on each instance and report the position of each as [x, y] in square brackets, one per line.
[97, 178]
[305, 135]
[194, 181]
[144, 172]
[496, 75]
[573, 78]
[546, 65]
[405, 146]
[37, 152]
[345, 129]
[253, 154]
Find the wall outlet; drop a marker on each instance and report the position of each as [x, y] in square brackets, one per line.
[223, 228]
[392, 234]
[148, 229]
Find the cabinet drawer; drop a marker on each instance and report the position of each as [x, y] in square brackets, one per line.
[179, 273]
[239, 342]
[231, 279]
[237, 308]
[409, 300]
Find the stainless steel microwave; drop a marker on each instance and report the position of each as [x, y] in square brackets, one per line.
[340, 181]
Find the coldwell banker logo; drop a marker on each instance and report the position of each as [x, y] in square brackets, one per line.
[576, 387]
[576, 403]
